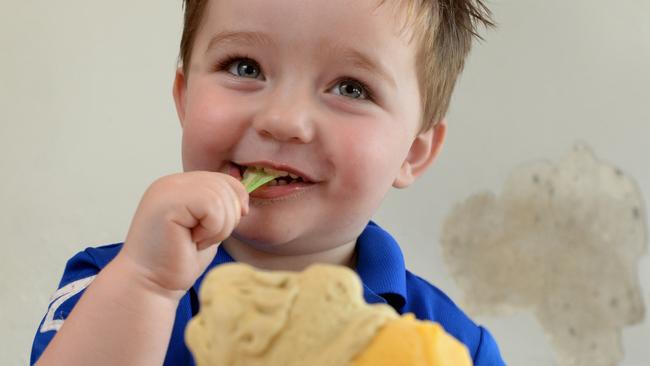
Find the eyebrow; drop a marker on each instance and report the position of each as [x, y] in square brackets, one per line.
[356, 58]
[365, 62]
[226, 37]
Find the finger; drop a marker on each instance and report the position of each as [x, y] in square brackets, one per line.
[211, 223]
[232, 212]
[205, 244]
[203, 238]
[240, 193]
[207, 255]
[227, 218]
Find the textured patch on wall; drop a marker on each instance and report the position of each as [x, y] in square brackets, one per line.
[562, 240]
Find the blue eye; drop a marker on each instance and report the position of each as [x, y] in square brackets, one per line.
[352, 89]
[243, 67]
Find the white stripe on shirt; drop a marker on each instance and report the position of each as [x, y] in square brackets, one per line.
[58, 298]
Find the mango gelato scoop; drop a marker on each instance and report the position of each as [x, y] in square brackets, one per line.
[315, 317]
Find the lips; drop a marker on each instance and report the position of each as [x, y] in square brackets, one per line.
[233, 170]
[290, 181]
[271, 191]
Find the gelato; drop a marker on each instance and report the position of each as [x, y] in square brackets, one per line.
[316, 317]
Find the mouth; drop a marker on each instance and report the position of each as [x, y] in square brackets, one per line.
[288, 180]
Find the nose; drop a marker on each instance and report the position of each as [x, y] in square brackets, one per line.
[286, 117]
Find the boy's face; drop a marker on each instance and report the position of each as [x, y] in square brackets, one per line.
[281, 82]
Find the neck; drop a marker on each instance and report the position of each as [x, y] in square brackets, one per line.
[343, 255]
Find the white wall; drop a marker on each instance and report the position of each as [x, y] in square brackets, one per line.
[89, 123]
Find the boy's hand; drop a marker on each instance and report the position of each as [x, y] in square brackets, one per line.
[180, 218]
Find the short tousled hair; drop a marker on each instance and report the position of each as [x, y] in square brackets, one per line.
[444, 29]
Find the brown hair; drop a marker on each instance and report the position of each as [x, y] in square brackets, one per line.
[443, 28]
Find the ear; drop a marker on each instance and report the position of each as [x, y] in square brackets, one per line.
[179, 94]
[424, 150]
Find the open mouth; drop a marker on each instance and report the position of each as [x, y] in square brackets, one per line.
[282, 177]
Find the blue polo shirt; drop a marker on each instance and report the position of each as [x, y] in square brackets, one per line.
[380, 266]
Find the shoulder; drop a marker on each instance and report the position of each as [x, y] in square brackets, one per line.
[80, 271]
[89, 262]
[428, 302]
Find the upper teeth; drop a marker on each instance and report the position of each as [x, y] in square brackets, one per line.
[278, 173]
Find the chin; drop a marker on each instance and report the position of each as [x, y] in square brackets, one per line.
[264, 237]
[276, 240]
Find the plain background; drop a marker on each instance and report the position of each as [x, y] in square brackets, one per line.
[88, 123]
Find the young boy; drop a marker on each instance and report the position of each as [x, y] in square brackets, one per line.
[346, 99]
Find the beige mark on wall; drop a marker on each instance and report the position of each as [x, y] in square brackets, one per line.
[562, 240]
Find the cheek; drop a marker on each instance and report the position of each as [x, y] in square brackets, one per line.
[211, 128]
[368, 162]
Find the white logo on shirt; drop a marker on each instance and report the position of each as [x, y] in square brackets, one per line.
[58, 298]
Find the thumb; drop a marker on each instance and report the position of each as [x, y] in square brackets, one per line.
[240, 192]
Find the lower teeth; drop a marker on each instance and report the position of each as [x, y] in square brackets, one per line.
[280, 182]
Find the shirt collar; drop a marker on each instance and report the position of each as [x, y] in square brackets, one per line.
[380, 265]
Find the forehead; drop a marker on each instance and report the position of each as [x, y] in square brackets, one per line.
[312, 24]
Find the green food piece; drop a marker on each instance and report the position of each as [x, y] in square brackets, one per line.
[255, 178]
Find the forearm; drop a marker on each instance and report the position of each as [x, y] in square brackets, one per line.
[121, 319]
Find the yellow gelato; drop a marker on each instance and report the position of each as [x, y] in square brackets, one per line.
[407, 341]
[317, 317]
